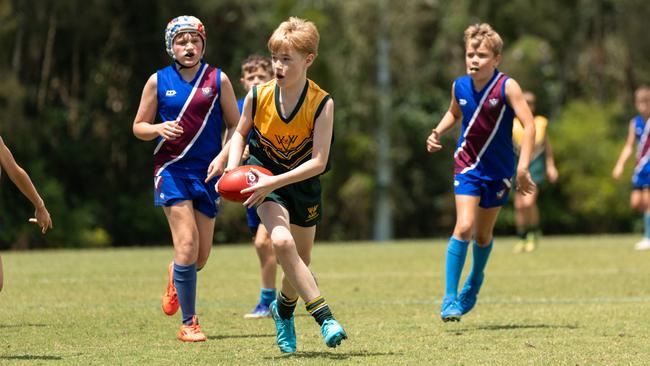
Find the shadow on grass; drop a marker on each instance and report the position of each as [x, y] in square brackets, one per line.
[22, 325]
[233, 336]
[513, 326]
[335, 355]
[31, 357]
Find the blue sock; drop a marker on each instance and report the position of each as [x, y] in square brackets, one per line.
[185, 282]
[456, 253]
[480, 257]
[267, 295]
[646, 224]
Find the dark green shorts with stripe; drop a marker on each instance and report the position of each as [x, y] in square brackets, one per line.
[537, 170]
[301, 199]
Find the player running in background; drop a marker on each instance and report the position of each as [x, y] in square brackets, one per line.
[541, 166]
[486, 101]
[638, 132]
[193, 99]
[256, 70]
[292, 121]
[21, 179]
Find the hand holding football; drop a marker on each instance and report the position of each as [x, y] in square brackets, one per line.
[231, 184]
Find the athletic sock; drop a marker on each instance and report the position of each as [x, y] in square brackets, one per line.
[480, 257]
[267, 295]
[646, 224]
[522, 233]
[319, 309]
[533, 232]
[286, 306]
[185, 282]
[456, 253]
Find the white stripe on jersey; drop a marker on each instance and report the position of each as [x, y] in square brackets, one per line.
[187, 102]
[642, 142]
[476, 112]
[198, 133]
[487, 143]
[471, 122]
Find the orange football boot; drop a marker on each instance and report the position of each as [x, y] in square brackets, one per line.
[192, 332]
[170, 298]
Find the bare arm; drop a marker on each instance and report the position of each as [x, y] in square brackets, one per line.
[551, 169]
[24, 183]
[143, 124]
[323, 129]
[626, 152]
[230, 117]
[453, 115]
[516, 99]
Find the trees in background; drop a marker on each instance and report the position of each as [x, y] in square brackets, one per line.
[73, 72]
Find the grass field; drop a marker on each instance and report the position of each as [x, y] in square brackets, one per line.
[576, 301]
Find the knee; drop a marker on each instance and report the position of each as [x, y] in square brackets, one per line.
[483, 239]
[519, 205]
[284, 245]
[187, 249]
[530, 204]
[463, 230]
[262, 243]
[524, 204]
[185, 244]
[306, 257]
[200, 263]
[637, 201]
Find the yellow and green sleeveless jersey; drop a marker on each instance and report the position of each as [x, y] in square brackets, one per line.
[540, 135]
[280, 143]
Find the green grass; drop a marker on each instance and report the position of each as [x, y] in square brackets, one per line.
[576, 301]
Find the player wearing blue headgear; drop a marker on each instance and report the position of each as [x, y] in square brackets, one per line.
[193, 100]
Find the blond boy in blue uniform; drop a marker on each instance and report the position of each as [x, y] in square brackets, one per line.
[485, 101]
[292, 122]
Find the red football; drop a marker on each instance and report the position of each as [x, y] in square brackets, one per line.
[231, 183]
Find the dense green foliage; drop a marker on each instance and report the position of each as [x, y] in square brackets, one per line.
[576, 301]
[72, 72]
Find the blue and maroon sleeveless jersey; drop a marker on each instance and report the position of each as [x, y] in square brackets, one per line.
[196, 106]
[642, 130]
[484, 148]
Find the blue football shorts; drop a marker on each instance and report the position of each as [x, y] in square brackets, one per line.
[253, 220]
[169, 191]
[641, 180]
[493, 193]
